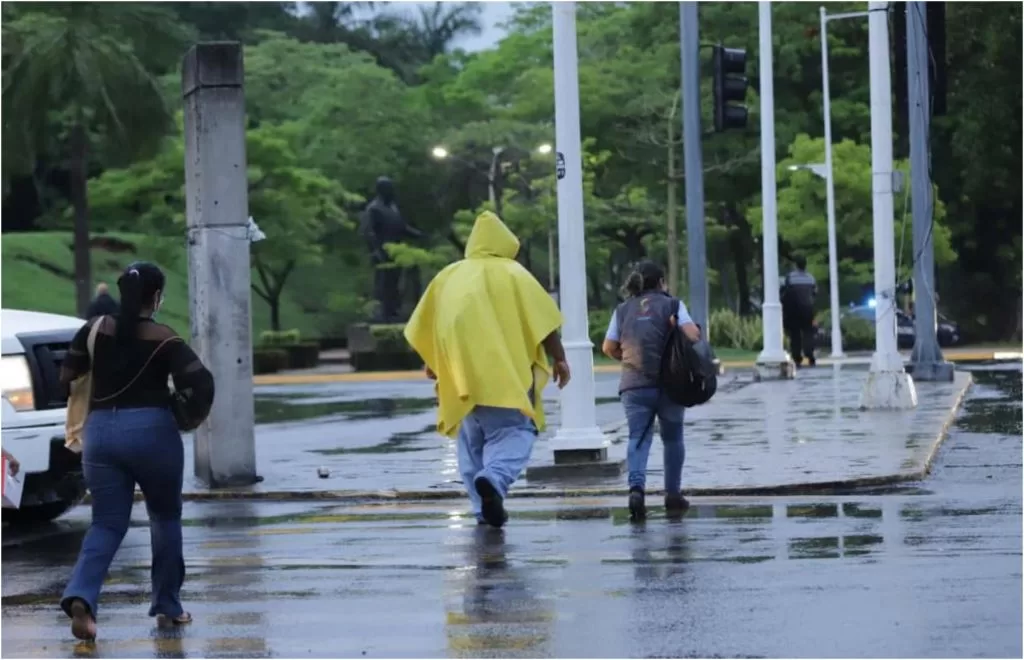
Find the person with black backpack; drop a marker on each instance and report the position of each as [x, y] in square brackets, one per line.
[639, 335]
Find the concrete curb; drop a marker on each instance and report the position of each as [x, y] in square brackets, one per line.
[835, 487]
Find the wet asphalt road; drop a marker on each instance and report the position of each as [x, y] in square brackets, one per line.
[931, 570]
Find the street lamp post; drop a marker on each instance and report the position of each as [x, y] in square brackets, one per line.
[441, 153]
[773, 361]
[578, 440]
[824, 170]
[830, 193]
[888, 386]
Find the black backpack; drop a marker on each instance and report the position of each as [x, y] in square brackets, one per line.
[688, 375]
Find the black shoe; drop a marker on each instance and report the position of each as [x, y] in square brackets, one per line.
[811, 362]
[492, 505]
[637, 506]
[676, 506]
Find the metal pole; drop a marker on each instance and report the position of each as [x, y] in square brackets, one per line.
[888, 386]
[830, 193]
[773, 362]
[578, 439]
[696, 248]
[220, 301]
[926, 361]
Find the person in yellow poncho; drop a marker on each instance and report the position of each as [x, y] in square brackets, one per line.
[485, 328]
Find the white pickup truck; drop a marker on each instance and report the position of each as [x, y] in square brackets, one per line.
[34, 405]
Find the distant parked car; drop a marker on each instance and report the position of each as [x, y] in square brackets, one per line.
[947, 333]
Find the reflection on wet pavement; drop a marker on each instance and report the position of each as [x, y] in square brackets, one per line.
[276, 408]
[267, 580]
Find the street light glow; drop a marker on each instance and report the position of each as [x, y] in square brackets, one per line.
[439, 153]
[544, 149]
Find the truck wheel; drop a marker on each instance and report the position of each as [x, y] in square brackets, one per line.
[46, 497]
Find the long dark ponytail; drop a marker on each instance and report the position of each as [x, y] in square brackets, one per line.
[138, 285]
[645, 276]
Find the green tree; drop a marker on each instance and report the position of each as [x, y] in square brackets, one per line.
[294, 205]
[802, 215]
[86, 62]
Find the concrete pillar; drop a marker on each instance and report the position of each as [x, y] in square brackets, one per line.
[217, 209]
[888, 386]
[579, 439]
[774, 362]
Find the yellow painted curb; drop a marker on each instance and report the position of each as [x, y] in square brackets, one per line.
[966, 355]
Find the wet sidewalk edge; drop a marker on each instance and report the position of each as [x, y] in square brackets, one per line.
[834, 487]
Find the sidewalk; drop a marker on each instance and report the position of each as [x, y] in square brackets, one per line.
[377, 440]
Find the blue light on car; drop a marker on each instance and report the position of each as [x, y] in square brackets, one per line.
[872, 303]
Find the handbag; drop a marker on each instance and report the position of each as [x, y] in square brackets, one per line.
[80, 397]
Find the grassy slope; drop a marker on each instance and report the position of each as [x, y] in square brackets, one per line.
[37, 272]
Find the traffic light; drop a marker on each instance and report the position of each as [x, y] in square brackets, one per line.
[730, 86]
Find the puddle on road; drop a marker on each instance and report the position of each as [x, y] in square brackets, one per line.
[397, 443]
[273, 408]
[994, 404]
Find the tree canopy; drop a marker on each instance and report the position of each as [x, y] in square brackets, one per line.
[338, 94]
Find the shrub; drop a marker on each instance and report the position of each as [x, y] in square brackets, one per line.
[282, 338]
[390, 338]
[269, 360]
[728, 329]
[392, 351]
[858, 333]
[597, 324]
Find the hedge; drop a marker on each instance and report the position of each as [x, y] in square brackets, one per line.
[391, 352]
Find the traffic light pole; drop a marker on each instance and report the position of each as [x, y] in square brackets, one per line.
[926, 361]
[696, 248]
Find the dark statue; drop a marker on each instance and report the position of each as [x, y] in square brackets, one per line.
[382, 224]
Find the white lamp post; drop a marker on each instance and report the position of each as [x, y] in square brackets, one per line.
[888, 385]
[578, 439]
[773, 362]
[824, 170]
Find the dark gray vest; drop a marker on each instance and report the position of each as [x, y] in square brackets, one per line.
[643, 326]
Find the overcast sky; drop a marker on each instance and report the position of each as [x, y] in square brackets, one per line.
[493, 14]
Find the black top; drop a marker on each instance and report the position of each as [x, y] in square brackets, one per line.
[158, 352]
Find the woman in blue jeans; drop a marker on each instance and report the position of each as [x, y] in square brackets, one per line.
[131, 437]
[636, 337]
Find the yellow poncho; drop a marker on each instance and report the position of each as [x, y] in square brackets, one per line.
[479, 328]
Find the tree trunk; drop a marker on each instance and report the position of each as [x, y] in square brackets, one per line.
[80, 202]
[741, 246]
[274, 301]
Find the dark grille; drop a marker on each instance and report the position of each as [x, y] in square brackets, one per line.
[45, 353]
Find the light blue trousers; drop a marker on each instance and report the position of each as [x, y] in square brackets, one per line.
[494, 443]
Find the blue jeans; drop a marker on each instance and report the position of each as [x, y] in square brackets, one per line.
[124, 447]
[494, 443]
[641, 404]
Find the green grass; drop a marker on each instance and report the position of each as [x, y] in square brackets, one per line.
[724, 354]
[38, 268]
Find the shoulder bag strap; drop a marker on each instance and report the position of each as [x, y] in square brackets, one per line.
[141, 371]
[90, 343]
